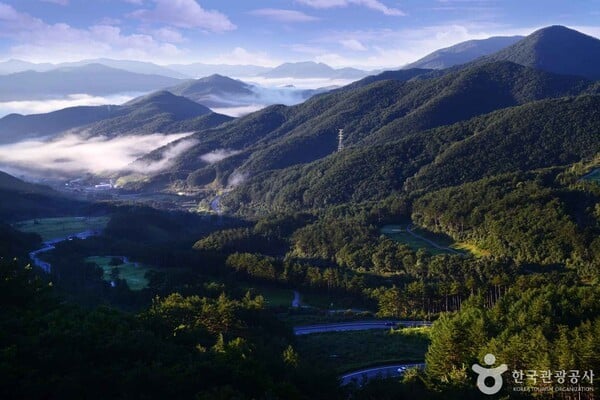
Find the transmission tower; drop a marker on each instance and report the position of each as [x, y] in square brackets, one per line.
[340, 140]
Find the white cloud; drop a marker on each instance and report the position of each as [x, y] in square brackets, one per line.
[59, 2]
[239, 111]
[241, 56]
[74, 100]
[371, 4]
[168, 35]
[218, 155]
[168, 156]
[353, 44]
[36, 40]
[185, 14]
[306, 49]
[284, 15]
[75, 155]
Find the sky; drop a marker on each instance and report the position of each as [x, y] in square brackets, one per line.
[368, 34]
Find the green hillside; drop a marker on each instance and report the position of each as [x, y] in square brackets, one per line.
[555, 49]
[535, 135]
[375, 114]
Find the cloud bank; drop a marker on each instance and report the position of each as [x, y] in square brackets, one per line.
[72, 155]
[44, 106]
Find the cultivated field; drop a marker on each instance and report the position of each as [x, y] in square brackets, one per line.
[417, 239]
[132, 273]
[57, 228]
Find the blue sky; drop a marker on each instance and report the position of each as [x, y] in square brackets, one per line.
[360, 33]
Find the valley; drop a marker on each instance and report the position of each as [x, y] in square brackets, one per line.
[187, 253]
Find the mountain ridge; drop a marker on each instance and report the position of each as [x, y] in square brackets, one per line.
[463, 52]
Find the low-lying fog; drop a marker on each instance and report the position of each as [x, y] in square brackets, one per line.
[268, 91]
[72, 155]
[44, 106]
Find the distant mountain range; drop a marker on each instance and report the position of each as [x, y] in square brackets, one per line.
[306, 70]
[96, 79]
[198, 70]
[464, 52]
[138, 67]
[223, 92]
[299, 70]
[159, 112]
[91, 79]
[214, 90]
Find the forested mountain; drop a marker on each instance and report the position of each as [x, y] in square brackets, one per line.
[221, 91]
[464, 52]
[213, 90]
[376, 113]
[555, 49]
[92, 79]
[16, 127]
[23, 200]
[157, 112]
[534, 135]
[400, 75]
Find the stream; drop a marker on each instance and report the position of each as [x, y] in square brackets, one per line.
[50, 245]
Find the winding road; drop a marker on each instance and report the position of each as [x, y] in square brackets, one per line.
[355, 326]
[387, 371]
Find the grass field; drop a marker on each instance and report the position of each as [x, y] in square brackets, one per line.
[55, 228]
[471, 248]
[132, 273]
[274, 296]
[400, 234]
[347, 351]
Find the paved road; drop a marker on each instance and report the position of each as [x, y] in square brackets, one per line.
[387, 371]
[355, 326]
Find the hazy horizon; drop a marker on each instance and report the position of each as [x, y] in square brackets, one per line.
[367, 34]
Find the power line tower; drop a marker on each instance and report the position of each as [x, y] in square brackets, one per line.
[340, 140]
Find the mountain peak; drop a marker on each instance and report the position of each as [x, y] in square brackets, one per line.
[163, 98]
[216, 78]
[555, 49]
